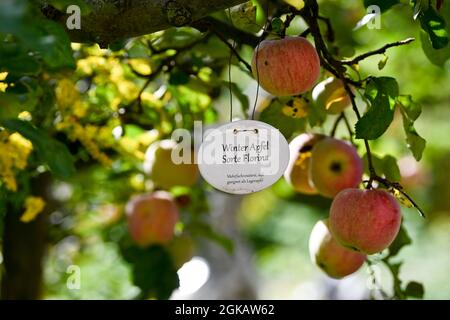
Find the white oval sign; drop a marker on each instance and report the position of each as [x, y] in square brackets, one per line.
[243, 156]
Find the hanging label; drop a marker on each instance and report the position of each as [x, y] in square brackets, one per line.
[242, 157]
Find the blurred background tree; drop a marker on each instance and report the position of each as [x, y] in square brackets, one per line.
[79, 108]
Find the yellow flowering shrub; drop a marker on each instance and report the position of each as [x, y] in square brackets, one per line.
[33, 206]
[3, 85]
[14, 152]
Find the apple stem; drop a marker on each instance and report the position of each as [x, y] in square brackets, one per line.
[342, 117]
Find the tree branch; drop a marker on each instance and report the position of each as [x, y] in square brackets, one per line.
[378, 51]
[342, 117]
[112, 20]
[225, 29]
[311, 15]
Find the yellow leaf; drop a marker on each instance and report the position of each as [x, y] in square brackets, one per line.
[3, 86]
[296, 108]
[297, 4]
[141, 65]
[401, 198]
[302, 159]
[33, 206]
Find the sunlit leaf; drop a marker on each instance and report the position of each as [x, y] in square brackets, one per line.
[433, 23]
[402, 240]
[382, 93]
[297, 4]
[410, 112]
[436, 56]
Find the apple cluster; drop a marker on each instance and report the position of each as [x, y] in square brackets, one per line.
[361, 222]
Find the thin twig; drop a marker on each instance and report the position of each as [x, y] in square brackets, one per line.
[305, 33]
[287, 23]
[349, 127]
[336, 124]
[378, 51]
[342, 117]
[330, 31]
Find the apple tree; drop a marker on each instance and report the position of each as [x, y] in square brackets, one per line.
[91, 92]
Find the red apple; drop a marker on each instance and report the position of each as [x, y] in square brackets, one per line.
[335, 260]
[163, 171]
[330, 95]
[152, 218]
[286, 67]
[335, 166]
[365, 220]
[297, 173]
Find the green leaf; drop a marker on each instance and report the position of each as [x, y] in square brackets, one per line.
[54, 46]
[49, 151]
[316, 116]
[206, 231]
[409, 106]
[382, 93]
[10, 106]
[16, 60]
[402, 240]
[46, 39]
[436, 56]
[382, 62]
[414, 289]
[383, 4]
[274, 115]
[277, 25]
[178, 77]
[397, 282]
[386, 166]
[432, 22]
[415, 142]
[391, 169]
[410, 112]
[243, 17]
[153, 271]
